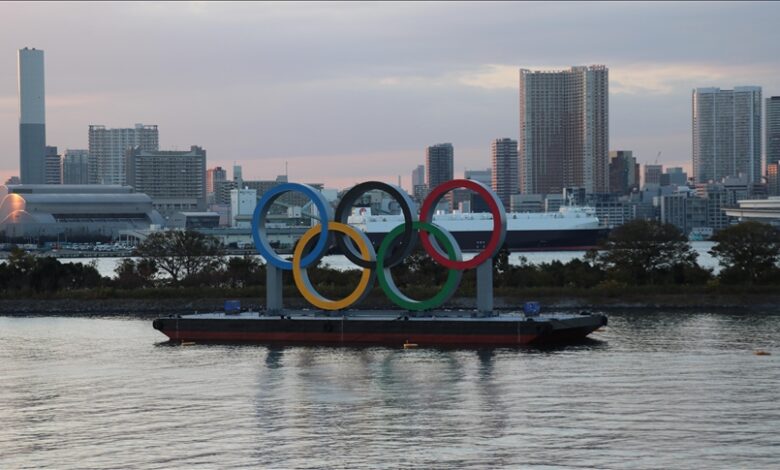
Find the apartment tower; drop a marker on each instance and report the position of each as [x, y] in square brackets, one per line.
[505, 176]
[727, 134]
[564, 130]
[107, 149]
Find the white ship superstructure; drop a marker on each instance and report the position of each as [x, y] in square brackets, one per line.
[567, 218]
[570, 228]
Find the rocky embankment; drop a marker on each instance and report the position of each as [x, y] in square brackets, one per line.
[168, 306]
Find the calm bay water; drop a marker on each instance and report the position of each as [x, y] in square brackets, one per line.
[653, 390]
[106, 266]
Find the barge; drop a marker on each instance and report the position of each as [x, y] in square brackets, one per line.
[388, 328]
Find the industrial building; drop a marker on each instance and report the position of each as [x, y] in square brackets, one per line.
[45, 212]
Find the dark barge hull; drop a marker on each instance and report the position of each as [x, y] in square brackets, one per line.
[395, 330]
[525, 240]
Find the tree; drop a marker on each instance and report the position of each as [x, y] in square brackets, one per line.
[181, 254]
[649, 252]
[131, 274]
[749, 253]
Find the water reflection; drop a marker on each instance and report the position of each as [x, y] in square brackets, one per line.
[652, 390]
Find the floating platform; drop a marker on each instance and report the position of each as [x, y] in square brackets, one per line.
[387, 327]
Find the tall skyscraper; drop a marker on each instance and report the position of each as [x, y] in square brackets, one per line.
[107, 149]
[505, 177]
[175, 180]
[623, 172]
[727, 133]
[32, 117]
[564, 130]
[52, 166]
[773, 129]
[439, 164]
[75, 166]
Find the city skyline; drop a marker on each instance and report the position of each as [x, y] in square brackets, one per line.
[362, 90]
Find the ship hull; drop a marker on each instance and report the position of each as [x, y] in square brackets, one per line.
[378, 329]
[525, 240]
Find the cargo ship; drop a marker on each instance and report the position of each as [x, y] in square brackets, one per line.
[388, 328]
[571, 228]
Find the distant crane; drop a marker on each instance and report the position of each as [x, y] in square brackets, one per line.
[656, 157]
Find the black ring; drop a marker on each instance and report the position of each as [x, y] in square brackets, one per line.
[406, 242]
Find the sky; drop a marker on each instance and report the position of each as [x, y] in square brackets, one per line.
[346, 92]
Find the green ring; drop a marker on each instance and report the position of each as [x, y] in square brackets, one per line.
[385, 277]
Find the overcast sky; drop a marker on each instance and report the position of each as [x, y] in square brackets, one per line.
[348, 92]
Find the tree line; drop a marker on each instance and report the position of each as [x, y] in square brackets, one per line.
[638, 253]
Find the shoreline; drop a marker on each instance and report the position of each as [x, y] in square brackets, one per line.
[168, 306]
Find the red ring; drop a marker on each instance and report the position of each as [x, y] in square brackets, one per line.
[499, 223]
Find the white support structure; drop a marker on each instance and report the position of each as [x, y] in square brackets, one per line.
[485, 288]
[273, 288]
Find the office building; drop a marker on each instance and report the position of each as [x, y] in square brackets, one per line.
[505, 176]
[727, 134]
[32, 117]
[623, 172]
[674, 176]
[52, 166]
[653, 174]
[564, 130]
[242, 207]
[772, 129]
[75, 166]
[107, 149]
[175, 180]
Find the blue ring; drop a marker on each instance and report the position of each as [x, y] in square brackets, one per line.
[261, 211]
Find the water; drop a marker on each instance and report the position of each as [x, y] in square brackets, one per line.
[654, 390]
[106, 266]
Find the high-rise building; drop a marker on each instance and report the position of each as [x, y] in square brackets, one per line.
[32, 117]
[623, 172]
[440, 167]
[238, 176]
[418, 176]
[75, 166]
[564, 130]
[439, 164]
[505, 178]
[175, 180]
[52, 166]
[653, 174]
[727, 133]
[212, 175]
[107, 149]
[773, 129]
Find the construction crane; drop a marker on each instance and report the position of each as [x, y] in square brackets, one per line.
[656, 157]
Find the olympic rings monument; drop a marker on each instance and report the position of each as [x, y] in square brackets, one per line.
[416, 321]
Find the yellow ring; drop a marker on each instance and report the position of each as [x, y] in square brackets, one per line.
[302, 278]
